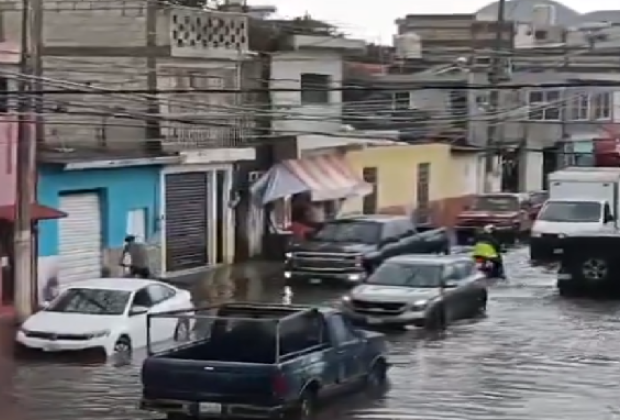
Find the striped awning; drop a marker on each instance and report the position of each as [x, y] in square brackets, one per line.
[325, 177]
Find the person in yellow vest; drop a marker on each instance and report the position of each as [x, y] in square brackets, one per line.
[487, 247]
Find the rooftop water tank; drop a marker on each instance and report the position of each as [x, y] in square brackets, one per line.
[408, 45]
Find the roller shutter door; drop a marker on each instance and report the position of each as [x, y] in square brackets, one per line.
[80, 238]
[186, 221]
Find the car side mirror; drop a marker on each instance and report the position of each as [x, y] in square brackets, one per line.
[138, 310]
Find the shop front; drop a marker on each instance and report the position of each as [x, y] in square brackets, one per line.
[297, 195]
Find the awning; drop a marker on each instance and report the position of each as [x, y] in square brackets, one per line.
[325, 177]
[37, 212]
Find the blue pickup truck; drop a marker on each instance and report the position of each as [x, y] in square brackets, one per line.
[261, 361]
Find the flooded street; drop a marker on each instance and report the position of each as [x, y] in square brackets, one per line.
[535, 357]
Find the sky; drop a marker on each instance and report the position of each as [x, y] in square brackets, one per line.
[374, 20]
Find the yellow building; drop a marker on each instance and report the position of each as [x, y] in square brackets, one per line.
[408, 177]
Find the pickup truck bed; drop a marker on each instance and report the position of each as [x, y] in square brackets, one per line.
[244, 370]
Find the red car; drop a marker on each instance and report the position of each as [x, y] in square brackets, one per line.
[512, 214]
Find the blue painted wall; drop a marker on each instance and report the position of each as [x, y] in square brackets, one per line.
[120, 189]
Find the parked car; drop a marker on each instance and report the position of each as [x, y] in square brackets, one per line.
[263, 361]
[589, 264]
[108, 314]
[420, 290]
[537, 199]
[346, 250]
[511, 213]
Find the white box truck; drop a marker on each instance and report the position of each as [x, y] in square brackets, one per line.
[580, 200]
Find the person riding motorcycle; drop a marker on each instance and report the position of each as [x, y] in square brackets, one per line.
[488, 248]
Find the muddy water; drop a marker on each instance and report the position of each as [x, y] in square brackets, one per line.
[535, 357]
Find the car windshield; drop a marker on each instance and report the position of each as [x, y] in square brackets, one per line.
[91, 301]
[571, 211]
[358, 232]
[407, 275]
[496, 203]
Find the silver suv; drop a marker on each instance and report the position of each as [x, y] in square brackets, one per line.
[420, 290]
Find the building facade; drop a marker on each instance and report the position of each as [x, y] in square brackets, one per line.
[433, 181]
[102, 207]
[179, 134]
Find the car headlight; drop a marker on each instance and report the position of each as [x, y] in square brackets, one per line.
[346, 299]
[419, 304]
[561, 235]
[288, 255]
[99, 334]
[536, 235]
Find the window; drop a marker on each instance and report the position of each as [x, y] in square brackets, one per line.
[601, 106]
[422, 210]
[544, 105]
[579, 108]
[349, 231]
[607, 215]
[401, 101]
[540, 35]
[314, 88]
[397, 229]
[160, 293]
[342, 334]
[91, 301]
[571, 211]
[4, 95]
[465, 269]
[142, 298]
[417, 276]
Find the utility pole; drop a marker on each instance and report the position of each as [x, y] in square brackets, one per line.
[153, 132]
[25, 283]
[496, 70]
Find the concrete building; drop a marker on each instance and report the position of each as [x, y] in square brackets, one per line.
[102, 135]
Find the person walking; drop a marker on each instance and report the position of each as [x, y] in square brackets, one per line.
[137, 254]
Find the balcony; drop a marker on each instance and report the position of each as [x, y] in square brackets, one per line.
[206, 34]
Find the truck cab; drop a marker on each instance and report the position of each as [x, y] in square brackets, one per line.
[580, 201]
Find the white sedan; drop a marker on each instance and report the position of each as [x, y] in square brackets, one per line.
[108, 314]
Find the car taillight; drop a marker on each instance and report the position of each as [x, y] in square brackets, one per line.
[279, 385]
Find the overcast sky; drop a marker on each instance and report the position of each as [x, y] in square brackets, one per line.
[374, 20]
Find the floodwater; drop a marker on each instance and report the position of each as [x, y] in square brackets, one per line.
[535, 357]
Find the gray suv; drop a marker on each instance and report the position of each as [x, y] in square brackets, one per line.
[420, 290]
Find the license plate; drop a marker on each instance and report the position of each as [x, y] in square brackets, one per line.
[210, 407]
[374, 321]
[315, 281]
[51, 347]
[558, 251]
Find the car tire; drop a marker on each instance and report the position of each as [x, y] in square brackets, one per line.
[377, 377]
[123, 345]
[305, 407]
[481, 304]
[182, 331]
[437, 319]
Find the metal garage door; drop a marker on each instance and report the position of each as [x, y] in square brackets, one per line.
[186, 221]
[80, 238]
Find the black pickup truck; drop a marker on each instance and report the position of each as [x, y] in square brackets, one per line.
[261, 361]
[347, 249]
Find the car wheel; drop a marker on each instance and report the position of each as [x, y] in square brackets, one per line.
[377, 377]
[305, 408]
[182, 331]
[481, 307]
[123, 346]
[437, 319]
